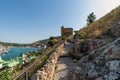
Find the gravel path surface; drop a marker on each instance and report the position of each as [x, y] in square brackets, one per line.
[64, 65]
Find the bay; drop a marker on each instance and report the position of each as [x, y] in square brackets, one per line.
[16, 52]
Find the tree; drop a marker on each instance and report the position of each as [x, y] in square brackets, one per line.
[63, 38]
[51, 38]
[91, 18]
[76, 34]
[52, 41]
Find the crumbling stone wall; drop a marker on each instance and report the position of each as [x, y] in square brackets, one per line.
[47, 71]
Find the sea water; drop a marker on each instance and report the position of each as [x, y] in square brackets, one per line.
[16, 52]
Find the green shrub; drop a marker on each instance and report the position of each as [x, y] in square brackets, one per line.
[63, 38]
[6, 75]
[51, 38]
[52, 42]
[83, 35]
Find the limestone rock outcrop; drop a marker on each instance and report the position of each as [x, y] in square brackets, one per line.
[101, 64]
[116, 29]
[83, 47]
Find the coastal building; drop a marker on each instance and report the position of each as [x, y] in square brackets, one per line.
[3, 49]
[22, 59]
[42, 48]
[66, 31]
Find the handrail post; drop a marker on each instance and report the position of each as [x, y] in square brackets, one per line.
[26, 75]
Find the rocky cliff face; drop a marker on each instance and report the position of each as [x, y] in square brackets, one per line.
[84, 47]
[99, 59]
[115, 30]
[101, 64]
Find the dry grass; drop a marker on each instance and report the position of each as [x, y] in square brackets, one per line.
[101, 26]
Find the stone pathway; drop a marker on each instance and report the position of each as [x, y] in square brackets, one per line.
[64, 65]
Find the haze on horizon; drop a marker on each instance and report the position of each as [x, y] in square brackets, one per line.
[26, 21]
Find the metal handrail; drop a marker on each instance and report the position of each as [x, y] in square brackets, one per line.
[41, 57]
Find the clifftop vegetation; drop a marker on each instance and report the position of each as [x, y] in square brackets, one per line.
[101, 27]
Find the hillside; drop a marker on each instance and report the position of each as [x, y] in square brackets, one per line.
[45, 41]
[102, 27]
[97, 49]
[40, 42]
[13, 44]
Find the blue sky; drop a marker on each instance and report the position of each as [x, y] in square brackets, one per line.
[26, 21]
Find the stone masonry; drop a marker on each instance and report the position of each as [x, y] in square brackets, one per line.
[47, 71]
